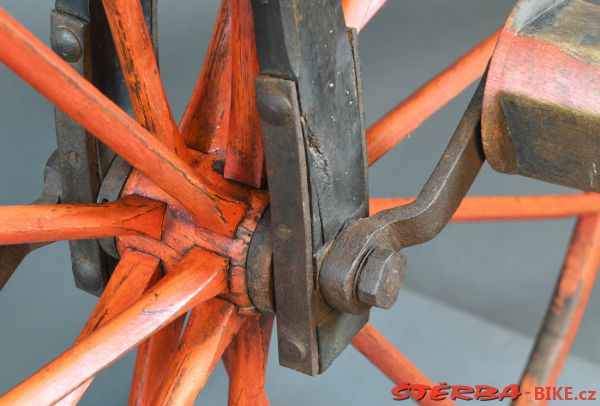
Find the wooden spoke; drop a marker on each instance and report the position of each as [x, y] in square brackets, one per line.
[140, 69]
[130, 215]
[245, 161]
[396, 125]
[205, 123]
[152, 356]
[247, 362]
[566, 309]
[200, 276]
[391, 362]
[359, 12]
[132, 276]
[210, 328]
[510, 208]
[50, 75]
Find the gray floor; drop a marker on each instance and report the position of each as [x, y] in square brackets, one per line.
[473, 297]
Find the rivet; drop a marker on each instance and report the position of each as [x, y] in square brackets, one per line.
[275, 108]
[292, 349]
[283, 231]
[66, 45]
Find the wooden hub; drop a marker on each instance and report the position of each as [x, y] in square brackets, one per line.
[180, 234]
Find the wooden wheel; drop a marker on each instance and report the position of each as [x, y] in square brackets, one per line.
[188, 211]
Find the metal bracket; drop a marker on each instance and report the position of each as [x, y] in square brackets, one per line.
[309, 100]
[81, 36]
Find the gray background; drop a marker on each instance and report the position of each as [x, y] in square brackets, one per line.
[473, 298]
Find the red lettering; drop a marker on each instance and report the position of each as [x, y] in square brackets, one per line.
[420, 391]
[539, 393]
[568, 393]
[399, 392]
[511, 391]
[461, 392]
[556, 393]
[485, 393]
[439, 392]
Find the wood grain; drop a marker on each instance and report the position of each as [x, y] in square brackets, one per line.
[205, 122]
[210, 328]
[565, 311]
[152, 357]
[50, 75]
[247, 362]
[131, 215]
[201, 276]
[245, 161]
[140, 70]
[130, 279]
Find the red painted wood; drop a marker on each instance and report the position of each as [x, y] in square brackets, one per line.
[510, 208]
[566, 309]
[132, 276]
[152, 357]
[210, 328]
[201, 276]
[180, 234]
[50, 75]
[244, 160]
[405, 118]
[140, 69]
[536, 69]
[205, 123]
[359, 12]
[247, 362]
[131, 215]
[392, 363]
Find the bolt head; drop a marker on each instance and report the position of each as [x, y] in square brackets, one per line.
[380, 278]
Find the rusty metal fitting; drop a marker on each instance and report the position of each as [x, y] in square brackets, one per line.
[380, 278]
[66, 44]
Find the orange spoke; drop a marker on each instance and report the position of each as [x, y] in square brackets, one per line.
[359, 12]
[201, 275]
[153, 354]
[566, 309]
[140, 69]
[245, 161]
[131, 215]
[132, 276]
[510, 208]
[392, 363]
[396, 125]
[247, 362]
[54, 78]
[205, 123]
[210, 328]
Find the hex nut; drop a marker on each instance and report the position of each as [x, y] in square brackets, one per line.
[380, 278]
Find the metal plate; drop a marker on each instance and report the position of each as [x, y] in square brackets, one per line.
[313, 128]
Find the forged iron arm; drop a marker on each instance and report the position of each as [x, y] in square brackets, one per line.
[346, 259]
